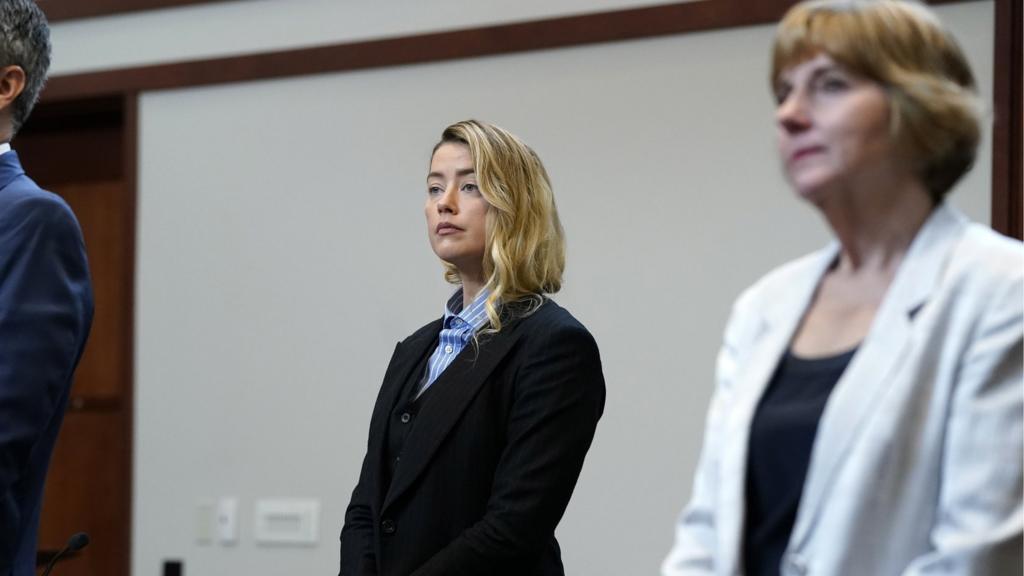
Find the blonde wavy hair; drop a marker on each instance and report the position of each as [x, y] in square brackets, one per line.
[903, 46]
[524, 254]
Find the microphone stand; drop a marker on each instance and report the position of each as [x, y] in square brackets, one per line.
[75, 543]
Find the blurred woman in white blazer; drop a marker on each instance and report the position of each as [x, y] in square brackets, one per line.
[867, 417]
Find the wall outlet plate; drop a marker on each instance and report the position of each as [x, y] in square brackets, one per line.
[287, 522]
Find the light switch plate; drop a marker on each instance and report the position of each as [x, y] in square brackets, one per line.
[206, 522]
[227, 521]
[287, 522]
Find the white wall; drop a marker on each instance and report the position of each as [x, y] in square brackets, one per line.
[282, 252]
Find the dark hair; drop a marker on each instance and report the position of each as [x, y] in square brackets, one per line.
[24, 42]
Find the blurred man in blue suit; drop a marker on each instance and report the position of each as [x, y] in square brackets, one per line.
[45, 297]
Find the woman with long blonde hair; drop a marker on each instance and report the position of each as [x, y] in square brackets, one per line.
[485, 415]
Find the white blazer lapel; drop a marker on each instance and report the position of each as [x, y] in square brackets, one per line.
[873, 368]
[778, 322]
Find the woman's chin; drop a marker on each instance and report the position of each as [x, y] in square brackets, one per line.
[811, 195]
[812, 190]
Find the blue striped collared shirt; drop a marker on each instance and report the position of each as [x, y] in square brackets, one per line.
[457, 329]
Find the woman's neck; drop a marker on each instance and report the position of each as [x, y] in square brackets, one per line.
[875, 230]
[471, 287]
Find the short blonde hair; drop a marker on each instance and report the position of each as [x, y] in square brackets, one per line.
[524, 256]
[904, 47]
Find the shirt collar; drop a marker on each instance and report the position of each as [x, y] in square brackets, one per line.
[475, 315]
[5, 147]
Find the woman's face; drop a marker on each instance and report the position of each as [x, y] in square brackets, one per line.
[833, 128]
[456, 211]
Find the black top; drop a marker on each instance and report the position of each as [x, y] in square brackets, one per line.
[781, 436]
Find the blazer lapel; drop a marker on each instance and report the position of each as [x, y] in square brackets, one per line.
[873, 368]
[452, 393]
[777, 326]
[405, 358]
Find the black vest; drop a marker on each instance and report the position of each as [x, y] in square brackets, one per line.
[403, 415]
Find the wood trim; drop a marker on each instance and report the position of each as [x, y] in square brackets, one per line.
[94, 404]
[416, 49]
[544, 34]
[551, 33]
[56, 129]
[61, 10]
[1007, 146]
[130, 155]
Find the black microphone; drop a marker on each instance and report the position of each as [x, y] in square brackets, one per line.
[75, 543]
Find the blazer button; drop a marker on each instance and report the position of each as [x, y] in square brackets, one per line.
[388, 526]
[405, 417]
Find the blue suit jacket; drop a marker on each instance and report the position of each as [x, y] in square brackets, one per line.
[45, 314]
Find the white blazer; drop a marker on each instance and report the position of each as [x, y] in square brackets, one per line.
[916, 466]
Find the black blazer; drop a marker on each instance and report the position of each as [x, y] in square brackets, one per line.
[489, 466]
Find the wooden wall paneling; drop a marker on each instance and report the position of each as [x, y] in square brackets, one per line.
[50, 143]
[1007, 145]
[78, 149]
[100, 207]
[83, 494]
[129, 180]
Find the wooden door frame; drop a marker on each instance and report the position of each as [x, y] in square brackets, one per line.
[1007, 147]
[120, 110]
[130, 147]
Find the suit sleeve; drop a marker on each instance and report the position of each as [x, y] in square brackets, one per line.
[979, 521]
[45, 314]
[559, 398]
[357, 555]
[693, 550]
